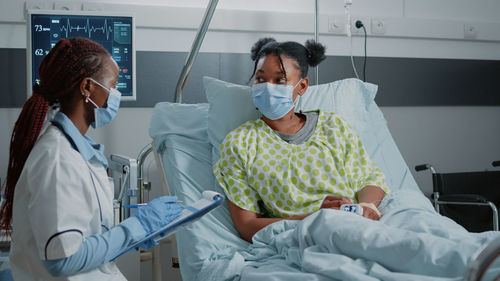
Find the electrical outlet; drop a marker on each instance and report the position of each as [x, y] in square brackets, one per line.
[378, 27]
[359, 31]
[470, 31]
[336, 24]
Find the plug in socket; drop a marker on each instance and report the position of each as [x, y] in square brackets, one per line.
[359, 31]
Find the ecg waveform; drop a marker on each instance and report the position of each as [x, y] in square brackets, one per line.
[105, 29]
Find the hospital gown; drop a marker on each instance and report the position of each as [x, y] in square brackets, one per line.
[293, 179]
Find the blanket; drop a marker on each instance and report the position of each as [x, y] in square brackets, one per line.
[410, 242]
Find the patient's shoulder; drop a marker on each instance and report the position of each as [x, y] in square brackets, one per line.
[248, 128]
[241, 134]
[333, 119]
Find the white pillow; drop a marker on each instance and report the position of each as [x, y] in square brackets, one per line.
[231, 105]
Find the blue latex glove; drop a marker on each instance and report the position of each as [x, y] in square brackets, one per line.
[149, 244]
[157, 213]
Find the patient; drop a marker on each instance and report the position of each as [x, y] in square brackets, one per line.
[287, 165]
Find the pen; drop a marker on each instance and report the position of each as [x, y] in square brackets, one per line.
[143, 204]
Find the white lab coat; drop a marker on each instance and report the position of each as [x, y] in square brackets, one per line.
[58, 201]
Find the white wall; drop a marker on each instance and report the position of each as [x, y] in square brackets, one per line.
[454, 138]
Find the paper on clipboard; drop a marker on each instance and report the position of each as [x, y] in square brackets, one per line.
[208, 201]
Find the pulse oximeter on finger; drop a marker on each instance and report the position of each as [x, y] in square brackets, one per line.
[352, 208]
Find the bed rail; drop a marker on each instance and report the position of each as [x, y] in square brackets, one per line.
[195, 49]
[485, 257]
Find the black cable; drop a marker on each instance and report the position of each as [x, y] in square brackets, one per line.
[364, 63]
[360, 24]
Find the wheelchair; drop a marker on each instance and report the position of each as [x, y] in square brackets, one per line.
[469, 198]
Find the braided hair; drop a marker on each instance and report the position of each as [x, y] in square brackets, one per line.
[61, 72]
[309, 55]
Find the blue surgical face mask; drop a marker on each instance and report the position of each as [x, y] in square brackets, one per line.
[104, 115]
[273, 100]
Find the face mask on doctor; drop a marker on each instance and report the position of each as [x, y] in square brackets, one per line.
[273, 100]
[104, 115]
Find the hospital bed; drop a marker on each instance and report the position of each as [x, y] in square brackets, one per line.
[187, 138]
[423, 245]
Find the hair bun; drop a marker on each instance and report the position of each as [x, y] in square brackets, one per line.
[258, 46]
[316, 52]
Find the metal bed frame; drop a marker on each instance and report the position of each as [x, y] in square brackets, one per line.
[484, 258]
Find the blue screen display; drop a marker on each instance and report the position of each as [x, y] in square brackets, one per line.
[114, 33]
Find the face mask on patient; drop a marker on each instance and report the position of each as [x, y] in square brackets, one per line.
[273, 100]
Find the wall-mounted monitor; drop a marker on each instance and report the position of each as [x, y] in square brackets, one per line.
[114, 31]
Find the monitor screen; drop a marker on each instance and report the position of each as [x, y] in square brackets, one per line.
[115, 32]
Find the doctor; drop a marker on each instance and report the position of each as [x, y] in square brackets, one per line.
[58, 205]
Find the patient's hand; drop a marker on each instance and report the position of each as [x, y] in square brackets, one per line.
[334, 202]
[370, 211]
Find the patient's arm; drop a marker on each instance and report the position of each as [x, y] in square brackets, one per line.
[334, 202]
[248, 223]
[371, 194]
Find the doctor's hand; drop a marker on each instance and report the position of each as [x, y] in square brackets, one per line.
[149, 244]
[334, 202]
[157, 213]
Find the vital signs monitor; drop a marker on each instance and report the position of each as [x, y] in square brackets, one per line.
[114, 31]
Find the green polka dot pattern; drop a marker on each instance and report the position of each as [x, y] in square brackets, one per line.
[293, 179]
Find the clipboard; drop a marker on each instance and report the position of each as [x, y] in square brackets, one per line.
[209, 200]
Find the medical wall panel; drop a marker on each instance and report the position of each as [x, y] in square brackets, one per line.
[158, 72]
[12, 77]
[401, 81]
[422, 82]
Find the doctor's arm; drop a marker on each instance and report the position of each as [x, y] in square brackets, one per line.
[99, 249]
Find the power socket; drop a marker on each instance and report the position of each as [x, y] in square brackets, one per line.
[336, 24]
[378, 26]
[359, 31]
[470, 31]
